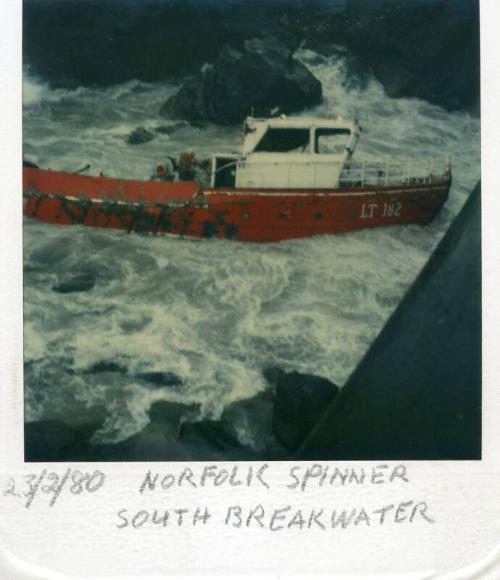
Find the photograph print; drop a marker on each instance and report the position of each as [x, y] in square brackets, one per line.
[251, 230]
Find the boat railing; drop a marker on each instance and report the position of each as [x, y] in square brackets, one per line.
[361, 173]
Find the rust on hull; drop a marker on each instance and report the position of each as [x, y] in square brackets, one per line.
[247, 214]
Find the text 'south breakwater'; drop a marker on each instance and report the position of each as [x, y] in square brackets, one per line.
[274, 518]
[296, 510]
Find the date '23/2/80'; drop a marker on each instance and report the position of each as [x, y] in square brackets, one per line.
[388, 210]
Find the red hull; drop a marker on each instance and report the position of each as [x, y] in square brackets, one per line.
[253, 215]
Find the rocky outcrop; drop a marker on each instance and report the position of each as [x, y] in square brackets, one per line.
[430, 53]
[269, 425]
[158, 441]
[263, 75]
[53, 440]
[252, 419]
[31, 164]
[428, 50]
[209, 433]
[420, 49]
[75, 43]
[300, 401]
[139, 136]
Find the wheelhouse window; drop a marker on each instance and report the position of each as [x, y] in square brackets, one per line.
[284, 140]
[331, 141]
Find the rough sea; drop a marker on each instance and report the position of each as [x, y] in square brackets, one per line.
[214, 313]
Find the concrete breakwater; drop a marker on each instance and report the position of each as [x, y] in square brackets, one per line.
[417, 392]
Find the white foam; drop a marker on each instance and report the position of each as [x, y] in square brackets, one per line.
[215, 313]
[34, 91]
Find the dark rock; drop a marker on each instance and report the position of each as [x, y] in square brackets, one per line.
[79, 283]
[425, 49]
[356, 76]
[263, 75]
[74, 43]
[243, 432]
[428, 50]
[272, 375]
[105, 366]
[252, 419]
[151, 444]
[201, 440]
[160, 379]
[140, 136]
[28, 163]
[301, 400]
[208, 433]
[168, 414]
[52, 440]
[158, 441]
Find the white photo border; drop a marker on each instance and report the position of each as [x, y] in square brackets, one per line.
[79, 538]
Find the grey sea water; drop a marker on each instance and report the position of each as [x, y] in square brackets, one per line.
[213, 313]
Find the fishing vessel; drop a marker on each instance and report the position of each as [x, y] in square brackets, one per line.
[294, 177]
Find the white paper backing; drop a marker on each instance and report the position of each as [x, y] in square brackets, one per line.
[79, 538]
